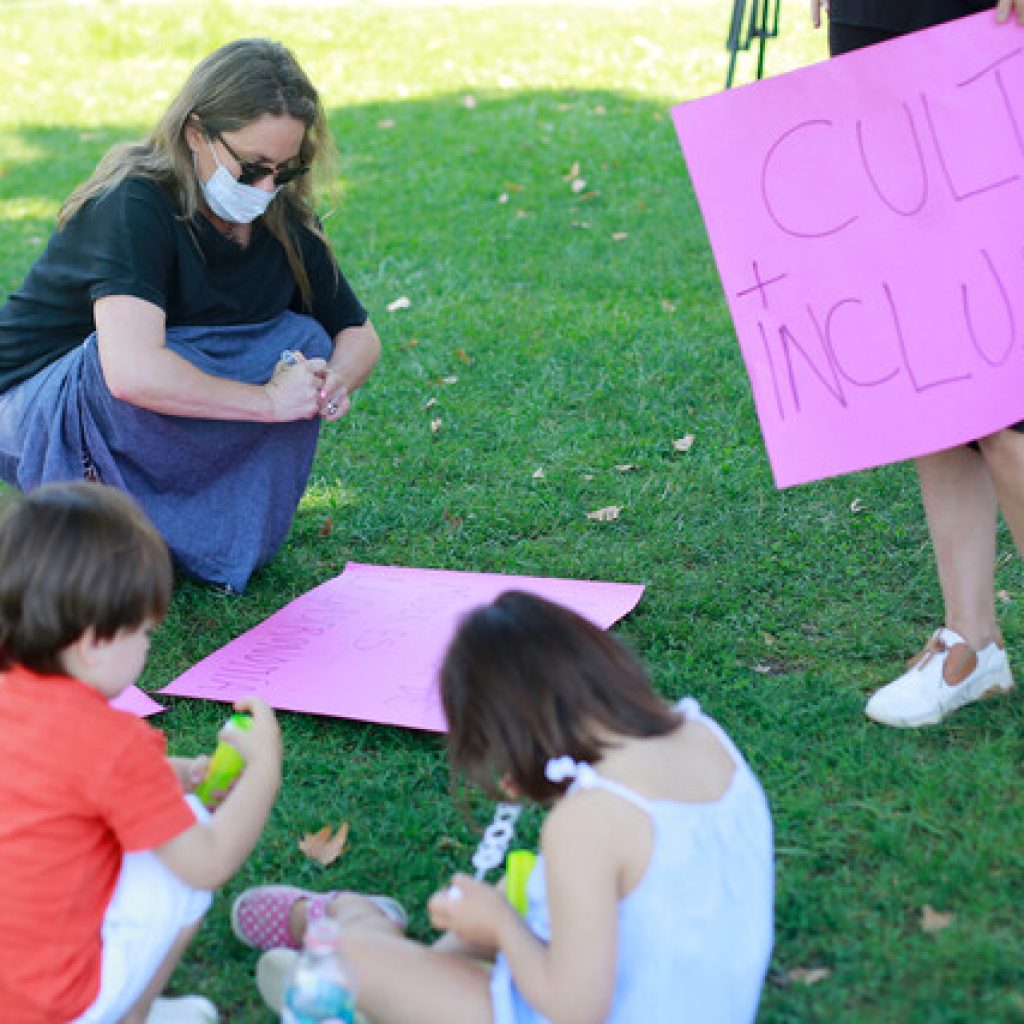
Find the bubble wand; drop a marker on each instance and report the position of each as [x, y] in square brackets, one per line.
[490, 853]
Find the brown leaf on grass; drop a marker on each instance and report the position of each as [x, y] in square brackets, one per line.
[934, 920]
[323, 847]
[463, 356]
[574, 171]
[804, 975]
[606, 514]
[683, 444]
[327, 527]
[451, 520]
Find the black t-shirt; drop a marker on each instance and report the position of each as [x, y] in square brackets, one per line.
[130, 241]
[901, 16]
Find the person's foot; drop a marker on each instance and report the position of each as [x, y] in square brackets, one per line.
[275, 916]
[945, 676]
[273, 971]
[182, 1010]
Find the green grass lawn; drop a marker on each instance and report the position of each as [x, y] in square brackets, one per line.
[586, 330]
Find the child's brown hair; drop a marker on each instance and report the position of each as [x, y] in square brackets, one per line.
[75, 556]
[525, 680]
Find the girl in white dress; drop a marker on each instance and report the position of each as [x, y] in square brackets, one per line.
[651, 900]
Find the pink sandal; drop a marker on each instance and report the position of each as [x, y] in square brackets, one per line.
[260, 916]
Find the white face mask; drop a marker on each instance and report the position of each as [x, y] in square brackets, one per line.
[230, 199]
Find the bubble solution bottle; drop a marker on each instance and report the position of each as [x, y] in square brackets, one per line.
[320, 989]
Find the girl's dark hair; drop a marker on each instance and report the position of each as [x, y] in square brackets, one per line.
[525, 680]
[75, 556]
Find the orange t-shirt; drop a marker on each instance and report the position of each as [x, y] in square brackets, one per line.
[80, 785]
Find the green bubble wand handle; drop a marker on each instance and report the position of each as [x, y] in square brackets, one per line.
[225, 765]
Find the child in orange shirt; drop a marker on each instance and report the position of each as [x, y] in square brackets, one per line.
[106, 865]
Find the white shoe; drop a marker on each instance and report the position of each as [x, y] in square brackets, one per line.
[183, 1010]
[945, 676]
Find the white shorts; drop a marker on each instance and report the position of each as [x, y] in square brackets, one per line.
[148, 911]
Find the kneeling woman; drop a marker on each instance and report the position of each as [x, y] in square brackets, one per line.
[187, 327]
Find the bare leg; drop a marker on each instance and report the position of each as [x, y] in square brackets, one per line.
[960, 504]
[138, 1013]
[1004, 457]
[399, 981]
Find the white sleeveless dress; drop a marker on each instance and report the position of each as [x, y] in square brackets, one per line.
[695, 935]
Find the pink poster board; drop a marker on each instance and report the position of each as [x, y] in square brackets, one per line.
[867, 218]
[137, 702]
[367, 644]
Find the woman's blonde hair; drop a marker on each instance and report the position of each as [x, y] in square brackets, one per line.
[227, 90]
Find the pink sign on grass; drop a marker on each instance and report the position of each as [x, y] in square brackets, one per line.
[137, 702]
[867, 218]
[367, 644]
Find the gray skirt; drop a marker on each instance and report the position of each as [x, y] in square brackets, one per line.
[222, 493]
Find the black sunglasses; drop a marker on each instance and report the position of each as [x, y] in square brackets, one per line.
[253, 171]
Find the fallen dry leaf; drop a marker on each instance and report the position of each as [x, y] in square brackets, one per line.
[1003, 596]
[805, 975]
[323, 847]
[450, 519]
[606, 514]
[934, 920]
[327, 527]
[463, 356]
[683, 444]
[574, 171]
[403, 302]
